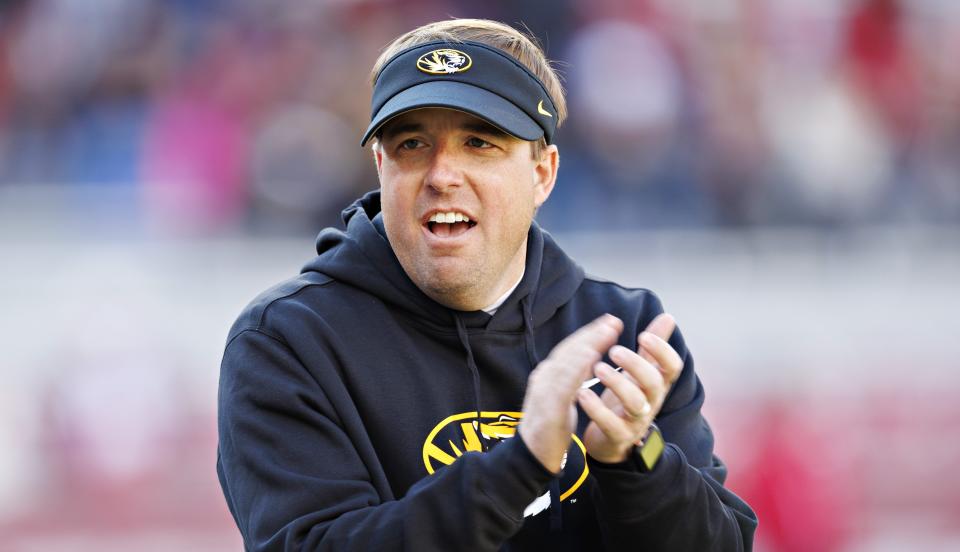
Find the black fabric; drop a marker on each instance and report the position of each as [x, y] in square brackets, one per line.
[496, 87]
[345, 394]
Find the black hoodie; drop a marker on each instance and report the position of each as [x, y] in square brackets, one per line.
[355, 413]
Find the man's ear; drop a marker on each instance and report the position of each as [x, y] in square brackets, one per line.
[377, 155]
[545, 174]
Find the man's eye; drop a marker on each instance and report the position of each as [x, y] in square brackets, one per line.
[475, 142]
[410, 144]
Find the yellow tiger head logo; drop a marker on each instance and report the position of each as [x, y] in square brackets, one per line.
[444, 61]
[464, 432]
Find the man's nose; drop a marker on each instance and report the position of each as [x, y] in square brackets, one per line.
[444, 171]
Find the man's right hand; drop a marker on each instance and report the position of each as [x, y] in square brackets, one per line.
[549, 411]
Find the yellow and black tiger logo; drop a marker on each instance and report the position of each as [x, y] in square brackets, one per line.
[444, 61]
[461, 433]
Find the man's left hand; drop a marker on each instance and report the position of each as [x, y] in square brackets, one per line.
[633, 397]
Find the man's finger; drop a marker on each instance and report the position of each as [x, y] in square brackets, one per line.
[596, 336]
[631, 398]
[648, 378]
[612, 425]
[661, 326]
[665, 357]
[610, 399]
[569, 363]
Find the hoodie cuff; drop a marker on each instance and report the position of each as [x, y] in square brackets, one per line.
[625, 489]
[520, 477]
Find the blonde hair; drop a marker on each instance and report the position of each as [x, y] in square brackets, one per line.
[522, 46]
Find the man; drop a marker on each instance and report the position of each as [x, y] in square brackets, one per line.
[430, 380]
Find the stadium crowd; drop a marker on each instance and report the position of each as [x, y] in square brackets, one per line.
[245, 115]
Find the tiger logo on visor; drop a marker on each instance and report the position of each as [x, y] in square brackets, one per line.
[444, 61]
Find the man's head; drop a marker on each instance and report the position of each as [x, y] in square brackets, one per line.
[463, 115]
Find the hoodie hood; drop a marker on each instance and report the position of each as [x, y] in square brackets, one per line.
[362, 257]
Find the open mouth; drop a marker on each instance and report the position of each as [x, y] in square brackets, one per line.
[450, 224]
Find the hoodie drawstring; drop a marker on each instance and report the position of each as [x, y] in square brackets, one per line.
[556, 514]
[472, 364]
[528, 341]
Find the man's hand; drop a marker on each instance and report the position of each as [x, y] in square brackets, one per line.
[622, 414]
[549, 415]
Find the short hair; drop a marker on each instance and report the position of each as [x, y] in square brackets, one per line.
[522, 46]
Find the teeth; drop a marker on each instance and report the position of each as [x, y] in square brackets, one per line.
[449, 217]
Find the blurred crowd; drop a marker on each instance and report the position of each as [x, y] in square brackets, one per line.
[218, 116]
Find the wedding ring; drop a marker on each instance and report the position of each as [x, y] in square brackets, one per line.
[643, 412]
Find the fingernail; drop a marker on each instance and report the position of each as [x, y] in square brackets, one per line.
[603, 370]
[618, 350]
[646, 338]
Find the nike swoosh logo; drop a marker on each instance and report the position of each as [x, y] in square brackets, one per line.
[543, 111]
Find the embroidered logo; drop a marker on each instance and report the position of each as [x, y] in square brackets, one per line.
[460, 433]
[541, 110]
[444, 61]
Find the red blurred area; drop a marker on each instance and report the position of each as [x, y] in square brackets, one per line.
[821, 474]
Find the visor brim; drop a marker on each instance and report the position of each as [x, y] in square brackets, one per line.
[460, 96]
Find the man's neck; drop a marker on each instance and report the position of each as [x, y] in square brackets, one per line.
[492, 308]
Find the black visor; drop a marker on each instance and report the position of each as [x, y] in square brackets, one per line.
[466, 76]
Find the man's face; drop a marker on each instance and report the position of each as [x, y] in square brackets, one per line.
[439, 165]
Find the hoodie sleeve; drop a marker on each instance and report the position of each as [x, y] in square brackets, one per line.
[682, 503]
[293, 479]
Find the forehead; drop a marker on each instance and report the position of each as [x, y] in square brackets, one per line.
[438, 118]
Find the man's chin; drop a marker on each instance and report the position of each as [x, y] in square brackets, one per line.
[453, 292]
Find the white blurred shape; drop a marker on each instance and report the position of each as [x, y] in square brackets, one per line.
[624, 77]
[117, 400]
[829, 142]
[18, 431]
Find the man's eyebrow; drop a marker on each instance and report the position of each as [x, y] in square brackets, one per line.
[482, 127]
[391, 130]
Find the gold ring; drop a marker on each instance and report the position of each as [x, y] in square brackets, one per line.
[643, 412]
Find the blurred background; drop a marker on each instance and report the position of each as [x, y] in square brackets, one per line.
[784, 173]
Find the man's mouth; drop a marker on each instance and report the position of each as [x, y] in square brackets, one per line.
[449, 224]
